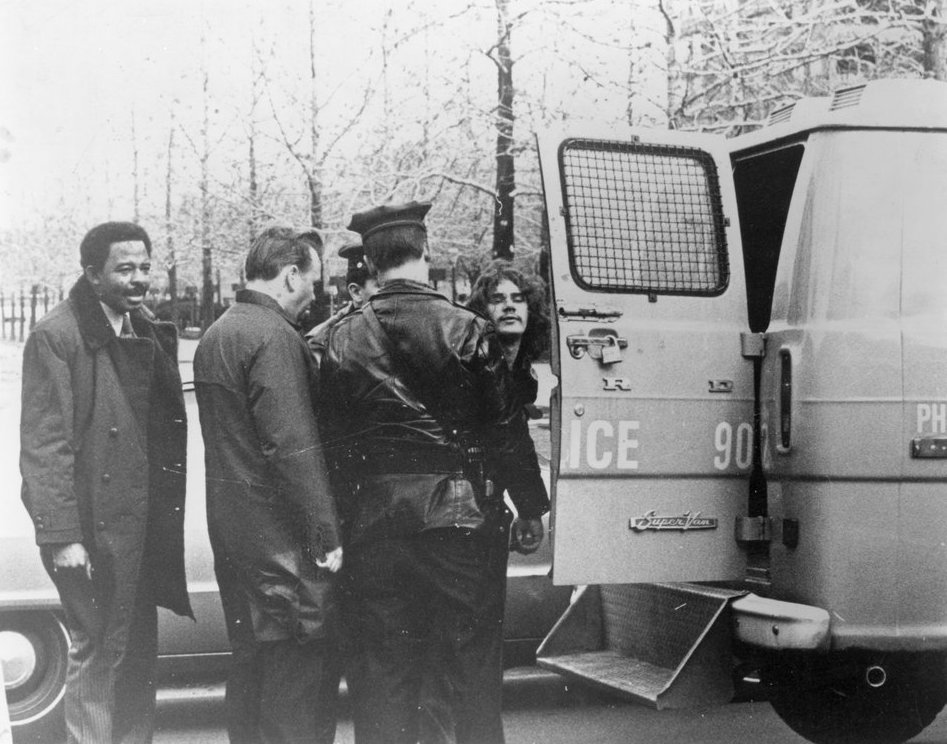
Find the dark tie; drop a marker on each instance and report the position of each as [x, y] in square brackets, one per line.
[127, 330]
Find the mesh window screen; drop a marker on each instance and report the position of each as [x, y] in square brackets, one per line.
[643, 218]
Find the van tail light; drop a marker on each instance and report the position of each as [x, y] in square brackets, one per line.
[785, 399]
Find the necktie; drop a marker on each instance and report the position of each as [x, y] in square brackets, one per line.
[127, 330]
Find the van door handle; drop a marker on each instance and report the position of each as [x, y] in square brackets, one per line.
[582, 312]
[578, 345]
[929, 448]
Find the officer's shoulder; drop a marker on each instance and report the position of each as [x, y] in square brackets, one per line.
[480, 315]
[346, 321]
[473, 317]
[344, 325]
[461, 309]
[355, 312]
[459, 305]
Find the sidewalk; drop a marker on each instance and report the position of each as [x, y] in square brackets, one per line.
[11, 358]
[11, 363]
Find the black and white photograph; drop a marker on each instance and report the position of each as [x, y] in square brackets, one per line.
[473, 371]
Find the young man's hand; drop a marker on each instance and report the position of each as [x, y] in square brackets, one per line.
[527, 535]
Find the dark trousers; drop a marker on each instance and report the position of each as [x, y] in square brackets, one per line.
[278, 692]
[475, 716]
[426, 655]
[110, 687]
[282, 692]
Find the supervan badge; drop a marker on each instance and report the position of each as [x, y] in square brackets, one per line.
[686, 521]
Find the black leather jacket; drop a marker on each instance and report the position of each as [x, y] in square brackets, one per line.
[418, 413]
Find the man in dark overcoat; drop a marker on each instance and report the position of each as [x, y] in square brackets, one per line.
[103, 440]
[417, 413]
[270, 511]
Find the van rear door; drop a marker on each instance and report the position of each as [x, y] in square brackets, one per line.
[652, 420]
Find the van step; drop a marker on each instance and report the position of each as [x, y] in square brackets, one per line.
[757, 576]
[633, 678]
[664, 645]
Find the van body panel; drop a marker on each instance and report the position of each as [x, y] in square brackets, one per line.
[860, 307]
[881, 104]
[655, 433]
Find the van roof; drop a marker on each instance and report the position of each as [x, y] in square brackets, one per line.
[880, 104]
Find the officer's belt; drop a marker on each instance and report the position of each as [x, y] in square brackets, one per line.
[431, 461]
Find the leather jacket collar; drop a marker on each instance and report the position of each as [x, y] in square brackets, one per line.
[406, 286]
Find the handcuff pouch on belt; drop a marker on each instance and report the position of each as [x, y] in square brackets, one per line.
[476, 472]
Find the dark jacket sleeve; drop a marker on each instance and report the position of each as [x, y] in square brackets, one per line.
[510, 449]
[281, 407]
[519, 469]
[47, 455]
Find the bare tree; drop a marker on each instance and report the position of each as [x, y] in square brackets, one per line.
[169, 227]
[740, 61]
[207, 259]
[502, 56]
[651, 59]
[136, 209]
[934, 39]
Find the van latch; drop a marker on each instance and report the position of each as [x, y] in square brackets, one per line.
[753, 529]
[753, 345]
[603, 345]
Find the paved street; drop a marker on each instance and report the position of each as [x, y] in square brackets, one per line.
[541, 709]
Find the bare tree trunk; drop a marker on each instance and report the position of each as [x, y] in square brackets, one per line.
[254, 186]
[169, 229]
[207, 263]
[314, 173]
[135, 173]
[650, 64]
[506, 168]
[385, 87]
[934, 41]
[314, 182]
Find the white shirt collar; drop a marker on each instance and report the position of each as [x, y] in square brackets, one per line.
[114, 318]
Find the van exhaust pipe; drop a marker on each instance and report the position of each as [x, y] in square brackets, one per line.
[876, 676]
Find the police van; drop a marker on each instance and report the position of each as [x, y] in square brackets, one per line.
[750, 427]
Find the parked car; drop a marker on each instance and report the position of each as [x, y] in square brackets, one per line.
[33, 638]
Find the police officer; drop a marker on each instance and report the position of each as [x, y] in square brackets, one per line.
[417, 409]
[360, 282]
[361, 285]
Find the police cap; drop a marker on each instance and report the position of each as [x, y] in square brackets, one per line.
[357, 269]
[352, 252]
[389, 215]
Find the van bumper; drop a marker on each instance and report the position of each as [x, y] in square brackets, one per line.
[671, 645]
[779, 626]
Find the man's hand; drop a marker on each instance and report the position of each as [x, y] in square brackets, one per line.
[332, 561]
[72, 555]
[527, 535]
